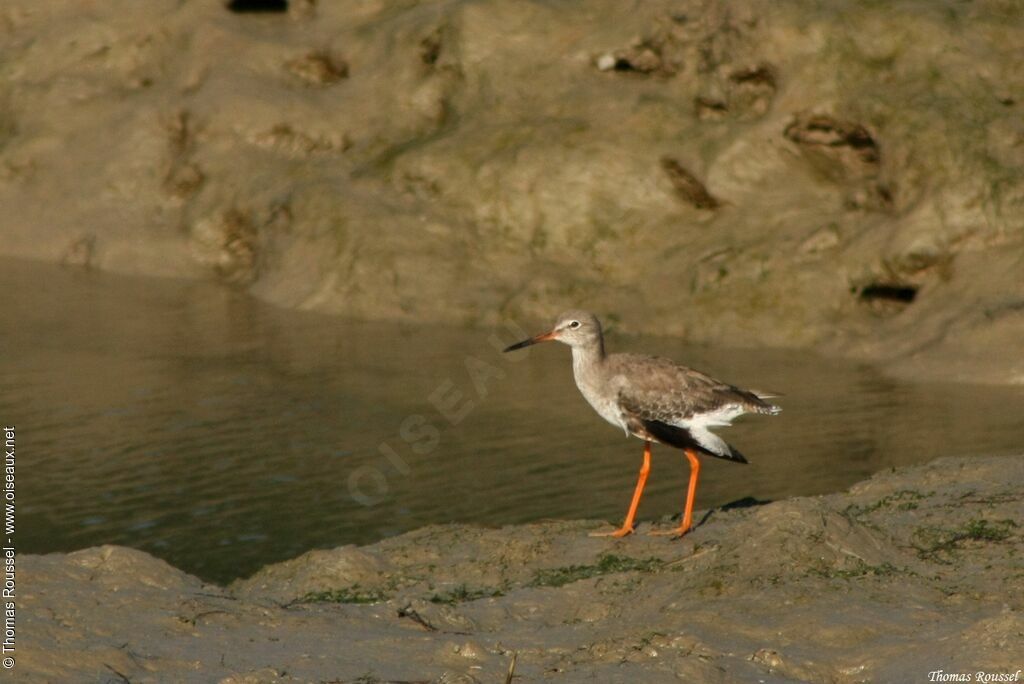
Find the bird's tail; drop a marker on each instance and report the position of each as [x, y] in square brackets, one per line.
[760, 405]
[725, 452]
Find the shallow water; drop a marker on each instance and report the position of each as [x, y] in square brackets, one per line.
[222, 434]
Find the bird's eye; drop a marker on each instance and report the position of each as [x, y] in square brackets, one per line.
[574, 325]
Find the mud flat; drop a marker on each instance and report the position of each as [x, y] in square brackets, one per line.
[844, 176]
[909, 572]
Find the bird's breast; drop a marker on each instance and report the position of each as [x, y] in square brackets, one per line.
[602, 399]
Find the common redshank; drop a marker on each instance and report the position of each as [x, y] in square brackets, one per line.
[654, 399]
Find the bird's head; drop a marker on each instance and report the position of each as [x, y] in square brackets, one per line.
[575, 328]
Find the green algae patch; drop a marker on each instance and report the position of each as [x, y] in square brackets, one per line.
[353, 594]
[606, 565]
[940, 544]
[462, 594]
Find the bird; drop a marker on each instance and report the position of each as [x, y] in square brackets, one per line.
[654, 399]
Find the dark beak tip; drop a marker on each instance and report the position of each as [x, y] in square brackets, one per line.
[517, 345]
[532, 340]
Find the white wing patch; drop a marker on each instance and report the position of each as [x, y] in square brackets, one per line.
[710, 441]
[720, 417]
[698, 426]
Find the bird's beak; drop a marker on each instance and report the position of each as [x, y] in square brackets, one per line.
[544, 337]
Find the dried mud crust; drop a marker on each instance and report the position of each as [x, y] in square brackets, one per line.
[908, 572]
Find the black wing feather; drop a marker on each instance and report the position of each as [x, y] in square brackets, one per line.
[682, 439]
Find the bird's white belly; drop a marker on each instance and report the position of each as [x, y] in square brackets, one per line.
[609, 410]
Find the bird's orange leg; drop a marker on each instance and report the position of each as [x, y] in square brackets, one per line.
[691, 495]
[627, 526]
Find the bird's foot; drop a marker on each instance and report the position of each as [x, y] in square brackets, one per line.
[621, 532]
[675, 532]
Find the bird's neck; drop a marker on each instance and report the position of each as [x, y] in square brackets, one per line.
[587, 356]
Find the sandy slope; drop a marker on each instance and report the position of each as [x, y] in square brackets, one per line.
[786, 173]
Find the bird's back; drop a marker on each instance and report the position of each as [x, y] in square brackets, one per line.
[670, 392]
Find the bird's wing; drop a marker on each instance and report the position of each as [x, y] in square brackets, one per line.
[658, 422]
[661, 389]
[675, 405]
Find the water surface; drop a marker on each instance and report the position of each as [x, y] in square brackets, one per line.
[222, 434]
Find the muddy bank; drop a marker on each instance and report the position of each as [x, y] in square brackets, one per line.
[845, 175]
[908, 572]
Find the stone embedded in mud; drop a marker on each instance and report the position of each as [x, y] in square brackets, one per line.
[742, 93]
[707, 107]
[847, 153]
[284, 139]
[643, 57]
[182, 176]
[229, 244]
[687, 186]
[821, 240]
[760, 75]
[318, 68]
[605, 62]
[841, 149]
